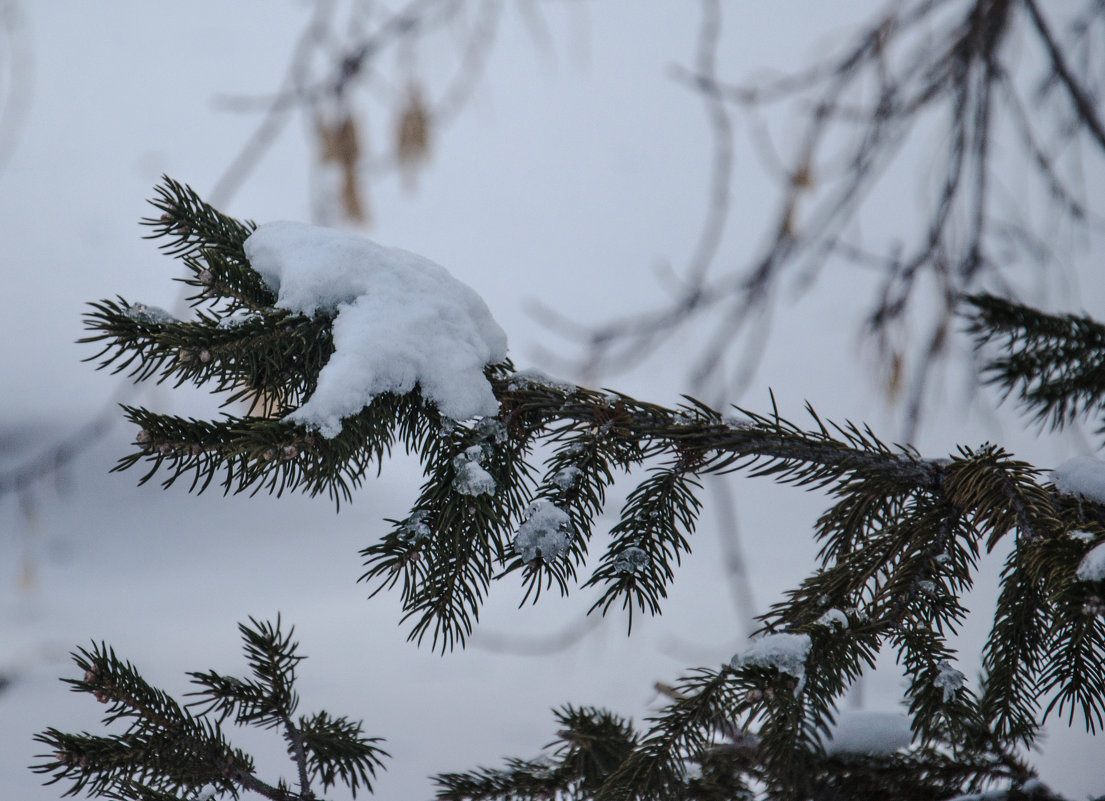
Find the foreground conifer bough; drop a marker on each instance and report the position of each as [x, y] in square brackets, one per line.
[512, 488]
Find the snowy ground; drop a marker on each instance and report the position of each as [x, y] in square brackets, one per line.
[568, 178]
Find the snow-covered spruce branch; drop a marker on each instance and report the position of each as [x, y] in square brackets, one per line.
[356, 349]
[170, 751]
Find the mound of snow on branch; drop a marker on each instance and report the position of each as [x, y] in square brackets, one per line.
[1092, 567]
[868, 732]
[400, 320]
[1083, 475]
[785, 651]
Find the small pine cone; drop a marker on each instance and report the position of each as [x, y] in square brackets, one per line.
[290, 451]
[206, 277]
[205, 356]
[196, 449]
[164, 448]
[90, 676]
[269, 454]
[143, 437]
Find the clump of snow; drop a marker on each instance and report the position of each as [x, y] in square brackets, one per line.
[834, 618]
[415, 530]
[531, 377]
[143, 313]
[630, 561]
[986, 795]
[857, 614]
[1082, 536]
[1092, 566]
[948, 679]
[574, 448]
[546, 533]
[471, 478]
[491, 430]
[863, 732]
[1083, 476]
[567, 477]
[785, 651]
[240, 317]
[736, 423]
[400, 320]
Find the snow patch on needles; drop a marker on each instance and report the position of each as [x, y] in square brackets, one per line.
[786, 652]
[1084, 476]
[871, 733]
[834, 618]
[531, 378]
[415, 530]
[1092, 566]
[400, 320]
[240, 317]
[948, 679]
[630, 561]
[471, 478]
[567, 478]
[545, 534]
[145, 313]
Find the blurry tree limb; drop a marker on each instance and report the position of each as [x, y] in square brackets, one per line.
[16, 77]
[1086, 107]
[536, 645]
[327, 92]
[917, 63]
[279, 107]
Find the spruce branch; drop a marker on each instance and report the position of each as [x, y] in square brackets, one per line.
[1012, 655]
[167, 751]
[648, 540]
[1073, 668]
[590, 744]
[268, 360]
[517, 493]
[447, 551]
[1054, 363]
[193, 226]
[705, 702]
[163, 746]
[593, 435]
[334, 751]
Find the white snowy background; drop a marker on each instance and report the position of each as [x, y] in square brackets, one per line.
[573, 172]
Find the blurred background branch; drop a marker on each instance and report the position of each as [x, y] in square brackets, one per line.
[938, 75]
